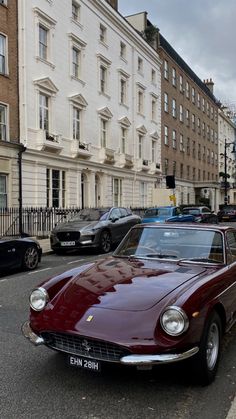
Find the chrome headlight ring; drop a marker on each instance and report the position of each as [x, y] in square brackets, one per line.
[38, 299]
[174, 321]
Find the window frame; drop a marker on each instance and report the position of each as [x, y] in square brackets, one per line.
[4, 126]
[4, 193]
[61, 189]
[75, 16]
[4, 55]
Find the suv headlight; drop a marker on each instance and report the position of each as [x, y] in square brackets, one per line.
[38, 299]
[174, 321]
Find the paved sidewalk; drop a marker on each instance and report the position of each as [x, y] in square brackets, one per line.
[45, 244]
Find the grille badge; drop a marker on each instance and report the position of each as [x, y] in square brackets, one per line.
[85, 345]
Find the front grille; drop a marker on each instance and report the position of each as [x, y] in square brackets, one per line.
[68, 235]
[77, 345]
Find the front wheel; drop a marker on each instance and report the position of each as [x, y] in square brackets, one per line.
[206, 362]
[30, 258]
[105, 241]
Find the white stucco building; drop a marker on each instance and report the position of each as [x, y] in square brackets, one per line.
[227, 157]
[90, 106]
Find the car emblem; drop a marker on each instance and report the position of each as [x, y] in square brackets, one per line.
[67, 234]
[89, 319]
[85, 345]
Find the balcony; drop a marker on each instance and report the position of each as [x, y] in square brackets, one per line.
[143, 165]
[126, 160]
[47, 141]
[81, 150]
[107, 155]
[155, 168]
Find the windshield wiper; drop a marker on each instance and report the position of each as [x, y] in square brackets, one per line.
[160, 256]
[200, 259]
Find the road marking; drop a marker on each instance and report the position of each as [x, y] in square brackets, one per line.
[40, 270]
[75, 261]
[232, 410]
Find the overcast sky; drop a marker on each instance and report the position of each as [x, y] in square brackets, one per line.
[203, 32]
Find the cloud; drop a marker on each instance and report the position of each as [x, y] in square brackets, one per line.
[203, 32]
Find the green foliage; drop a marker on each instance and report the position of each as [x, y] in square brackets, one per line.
[222, 174]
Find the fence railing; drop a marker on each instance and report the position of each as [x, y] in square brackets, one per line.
[36, 222]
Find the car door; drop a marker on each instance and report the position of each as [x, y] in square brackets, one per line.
[128, 221]
[9, 254]
[116, 225]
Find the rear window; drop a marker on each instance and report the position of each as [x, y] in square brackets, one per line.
[192, 211]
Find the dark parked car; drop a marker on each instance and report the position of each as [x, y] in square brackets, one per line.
[201, 214]
[167, 294]
[22, 253]
[97, 228]
[227, 213]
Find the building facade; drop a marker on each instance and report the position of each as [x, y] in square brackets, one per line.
[227, 157]
[9, 114]
[189, 123]
[90, 106]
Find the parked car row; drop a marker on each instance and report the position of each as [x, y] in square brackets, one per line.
[101, 228]
[194, 214]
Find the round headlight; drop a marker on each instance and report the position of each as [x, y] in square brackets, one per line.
[174, 321]
[38, 299]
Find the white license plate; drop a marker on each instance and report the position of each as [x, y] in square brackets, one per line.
[67, 243]
[85, 363]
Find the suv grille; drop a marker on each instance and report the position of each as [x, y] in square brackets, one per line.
[68, 235]
[79, 345]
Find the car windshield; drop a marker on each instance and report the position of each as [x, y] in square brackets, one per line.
[195, 245]
[193, 211]
[91, 215]
[158, 212]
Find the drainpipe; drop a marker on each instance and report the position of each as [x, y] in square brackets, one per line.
[22, 150]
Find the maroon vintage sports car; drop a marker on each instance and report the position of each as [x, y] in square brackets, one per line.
[167, 294]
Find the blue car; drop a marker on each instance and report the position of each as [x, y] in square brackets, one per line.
[167, 213]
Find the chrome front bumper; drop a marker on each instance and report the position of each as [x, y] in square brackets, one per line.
[145, 360]
[135, 360]
[29, 334]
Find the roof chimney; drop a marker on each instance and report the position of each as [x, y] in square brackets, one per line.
[113, 3]
[209, 84]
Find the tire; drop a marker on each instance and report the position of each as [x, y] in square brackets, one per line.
[30, 258]
[205, 363]
[105, 241]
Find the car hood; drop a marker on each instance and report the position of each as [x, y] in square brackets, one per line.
[75, 225]
[119, 284]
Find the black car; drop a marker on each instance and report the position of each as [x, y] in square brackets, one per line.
[227, 213]
[93, 228]
[22, 253]
[201, 214]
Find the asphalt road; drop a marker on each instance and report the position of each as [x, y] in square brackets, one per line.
[37, 383]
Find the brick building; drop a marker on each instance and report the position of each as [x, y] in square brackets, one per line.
[189, 122]
[9, 110]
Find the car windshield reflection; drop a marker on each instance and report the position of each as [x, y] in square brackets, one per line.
[194, 245]
[91, 215]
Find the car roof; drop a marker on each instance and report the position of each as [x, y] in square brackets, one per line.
[215, 227]
[163, 206]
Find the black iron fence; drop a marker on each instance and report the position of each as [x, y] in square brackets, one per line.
[36, 222]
